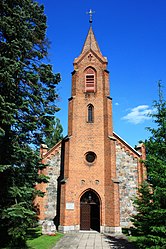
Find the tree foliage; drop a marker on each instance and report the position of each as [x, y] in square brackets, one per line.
[27, 108]
[150, 220]
[54, 134]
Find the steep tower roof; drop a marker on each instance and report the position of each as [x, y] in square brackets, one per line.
[90, 45]
[90, 42]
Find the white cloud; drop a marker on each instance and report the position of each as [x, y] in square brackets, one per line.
[138, 114]
[117, 103]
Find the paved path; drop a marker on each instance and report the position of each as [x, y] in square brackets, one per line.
[92, 240]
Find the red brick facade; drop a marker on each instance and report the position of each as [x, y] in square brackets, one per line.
[89, 165]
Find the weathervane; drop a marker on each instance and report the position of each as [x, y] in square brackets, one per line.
[90, 13]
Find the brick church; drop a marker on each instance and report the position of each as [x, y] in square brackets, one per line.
[94, 174]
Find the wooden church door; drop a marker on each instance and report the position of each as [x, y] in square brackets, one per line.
[85, 216]
[90, 211]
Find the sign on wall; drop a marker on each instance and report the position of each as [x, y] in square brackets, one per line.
[70, 205]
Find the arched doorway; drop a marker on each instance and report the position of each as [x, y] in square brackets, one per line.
[90, 211]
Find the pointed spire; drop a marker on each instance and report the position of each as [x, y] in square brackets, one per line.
[90, 42]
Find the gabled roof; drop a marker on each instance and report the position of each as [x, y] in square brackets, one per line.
[128, 147]
[54, 150]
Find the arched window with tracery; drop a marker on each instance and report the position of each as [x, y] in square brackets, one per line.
[90, 113]
[90, 80]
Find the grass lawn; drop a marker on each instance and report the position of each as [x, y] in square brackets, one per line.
[43, 241]
[132, 238]
[38, 241]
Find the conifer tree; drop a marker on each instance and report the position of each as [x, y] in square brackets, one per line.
[150, 220]
[27, 108]
[54, 134]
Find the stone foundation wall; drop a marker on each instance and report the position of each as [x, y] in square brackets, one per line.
[50, 207]
[127, 174]
[53, 170]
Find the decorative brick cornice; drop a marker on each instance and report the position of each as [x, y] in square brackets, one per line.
[97, 55]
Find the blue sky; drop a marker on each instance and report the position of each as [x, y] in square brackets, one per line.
[132, 35]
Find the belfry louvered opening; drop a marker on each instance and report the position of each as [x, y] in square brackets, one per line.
[90, 80]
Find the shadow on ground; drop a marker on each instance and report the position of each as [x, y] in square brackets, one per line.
[119, 242]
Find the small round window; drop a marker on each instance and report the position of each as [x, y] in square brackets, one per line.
[90, 157]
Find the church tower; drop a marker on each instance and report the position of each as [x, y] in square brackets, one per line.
[89, 189]
[93, 173]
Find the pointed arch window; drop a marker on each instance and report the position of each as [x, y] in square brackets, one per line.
[90, 113]
[90, 80]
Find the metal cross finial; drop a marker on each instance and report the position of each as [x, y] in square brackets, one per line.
[90, 13]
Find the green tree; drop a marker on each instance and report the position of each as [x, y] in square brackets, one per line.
[54, 133]
[27, 108]
[150, 220]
